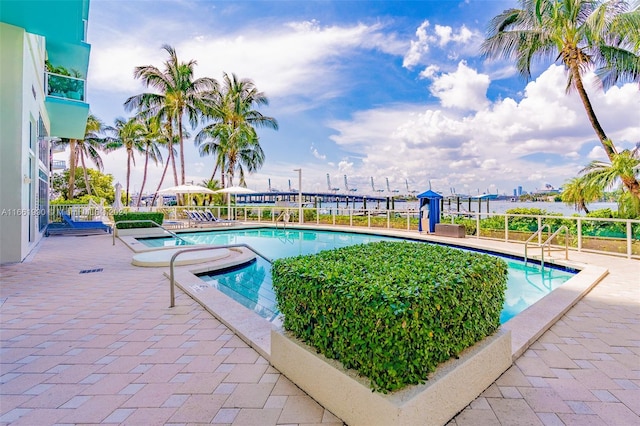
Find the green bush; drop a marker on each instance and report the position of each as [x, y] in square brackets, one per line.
[156, 217]
[391, 310]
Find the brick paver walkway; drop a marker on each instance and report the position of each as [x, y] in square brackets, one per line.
[103, 347]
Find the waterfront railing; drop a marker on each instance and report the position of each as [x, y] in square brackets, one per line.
[600, 235]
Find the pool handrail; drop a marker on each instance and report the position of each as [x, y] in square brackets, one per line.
[172, 293]
[548, 244]
[173, 234]
[538, 234]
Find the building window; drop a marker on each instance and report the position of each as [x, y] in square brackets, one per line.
[43, 144]
[43, 201]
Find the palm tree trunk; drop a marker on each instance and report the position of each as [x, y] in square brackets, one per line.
[629, 181]
[85, 174]
[72, 169]
[144, 176]
[181, 148]
[606, 143]
[128, 175]
[215, 169]
[164, 172]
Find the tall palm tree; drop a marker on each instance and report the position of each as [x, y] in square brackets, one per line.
[178, 95]
[168, 141]
[232, 136]
[580, 191]
[127, 134]
[83, 149]
[151, 147]
[583, 35]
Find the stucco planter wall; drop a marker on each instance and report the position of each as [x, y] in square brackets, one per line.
[449, 389]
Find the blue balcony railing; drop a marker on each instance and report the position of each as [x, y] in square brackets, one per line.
[65, 87]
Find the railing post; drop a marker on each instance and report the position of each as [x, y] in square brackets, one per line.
[317, 215]
[629, 239]
[478, 224]
[351, 217]
[540, 234]
[579, 232]
[506, 228]
[408, 221]
[388, 219]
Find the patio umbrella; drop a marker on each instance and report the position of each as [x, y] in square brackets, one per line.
[117, 202]
[233, 190]
[186, 189]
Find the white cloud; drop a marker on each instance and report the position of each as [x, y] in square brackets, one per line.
[448, 40]
[463, 89]
[538, 137]
[294, 58]
[597, 154]
[446, 35]
[317, 154]
[418, 47]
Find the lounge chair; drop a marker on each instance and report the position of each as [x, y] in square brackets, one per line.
[95, 224]
[211, 217]
[205, 217]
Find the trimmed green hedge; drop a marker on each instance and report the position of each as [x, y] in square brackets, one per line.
[156, 217]
[391, 310]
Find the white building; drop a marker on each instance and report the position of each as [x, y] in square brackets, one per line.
[36, 106]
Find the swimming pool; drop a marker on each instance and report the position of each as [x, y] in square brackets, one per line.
[250, 284]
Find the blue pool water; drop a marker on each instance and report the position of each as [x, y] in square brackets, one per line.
[250, 284]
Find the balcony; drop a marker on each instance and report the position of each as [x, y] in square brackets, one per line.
[59, 165]
[65, 87]
[66, 105]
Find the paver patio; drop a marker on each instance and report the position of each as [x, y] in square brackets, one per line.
[104, 347]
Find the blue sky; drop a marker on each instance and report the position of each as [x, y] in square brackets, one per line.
[391, 90]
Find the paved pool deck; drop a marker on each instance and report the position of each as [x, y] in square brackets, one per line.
[103, 347]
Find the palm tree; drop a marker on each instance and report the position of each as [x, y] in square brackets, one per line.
[82, 149]
[178, 95]
[579, 191]
[583, 34]
[214, 185]
[151, 147]
[90, 145]
[232, 135]
[127, 134]
[168, 141]
[625, 166]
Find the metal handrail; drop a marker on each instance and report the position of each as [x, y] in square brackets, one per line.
[187, 250]
[548, 244]
[173, 234]
[285, 215]
[538, 234]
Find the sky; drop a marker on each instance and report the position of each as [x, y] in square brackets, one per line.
[393, 90]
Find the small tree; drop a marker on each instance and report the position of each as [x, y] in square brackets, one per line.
[578, 192]
[101, 185]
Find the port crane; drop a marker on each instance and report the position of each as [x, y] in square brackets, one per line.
[389, 189]
[373, 188]
[406, 182]
[346, 185]
[272, 189]
[334, 190]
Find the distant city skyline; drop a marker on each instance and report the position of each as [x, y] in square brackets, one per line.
[383, 90]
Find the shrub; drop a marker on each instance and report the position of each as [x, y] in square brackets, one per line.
[156, 217]
[391, 310]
